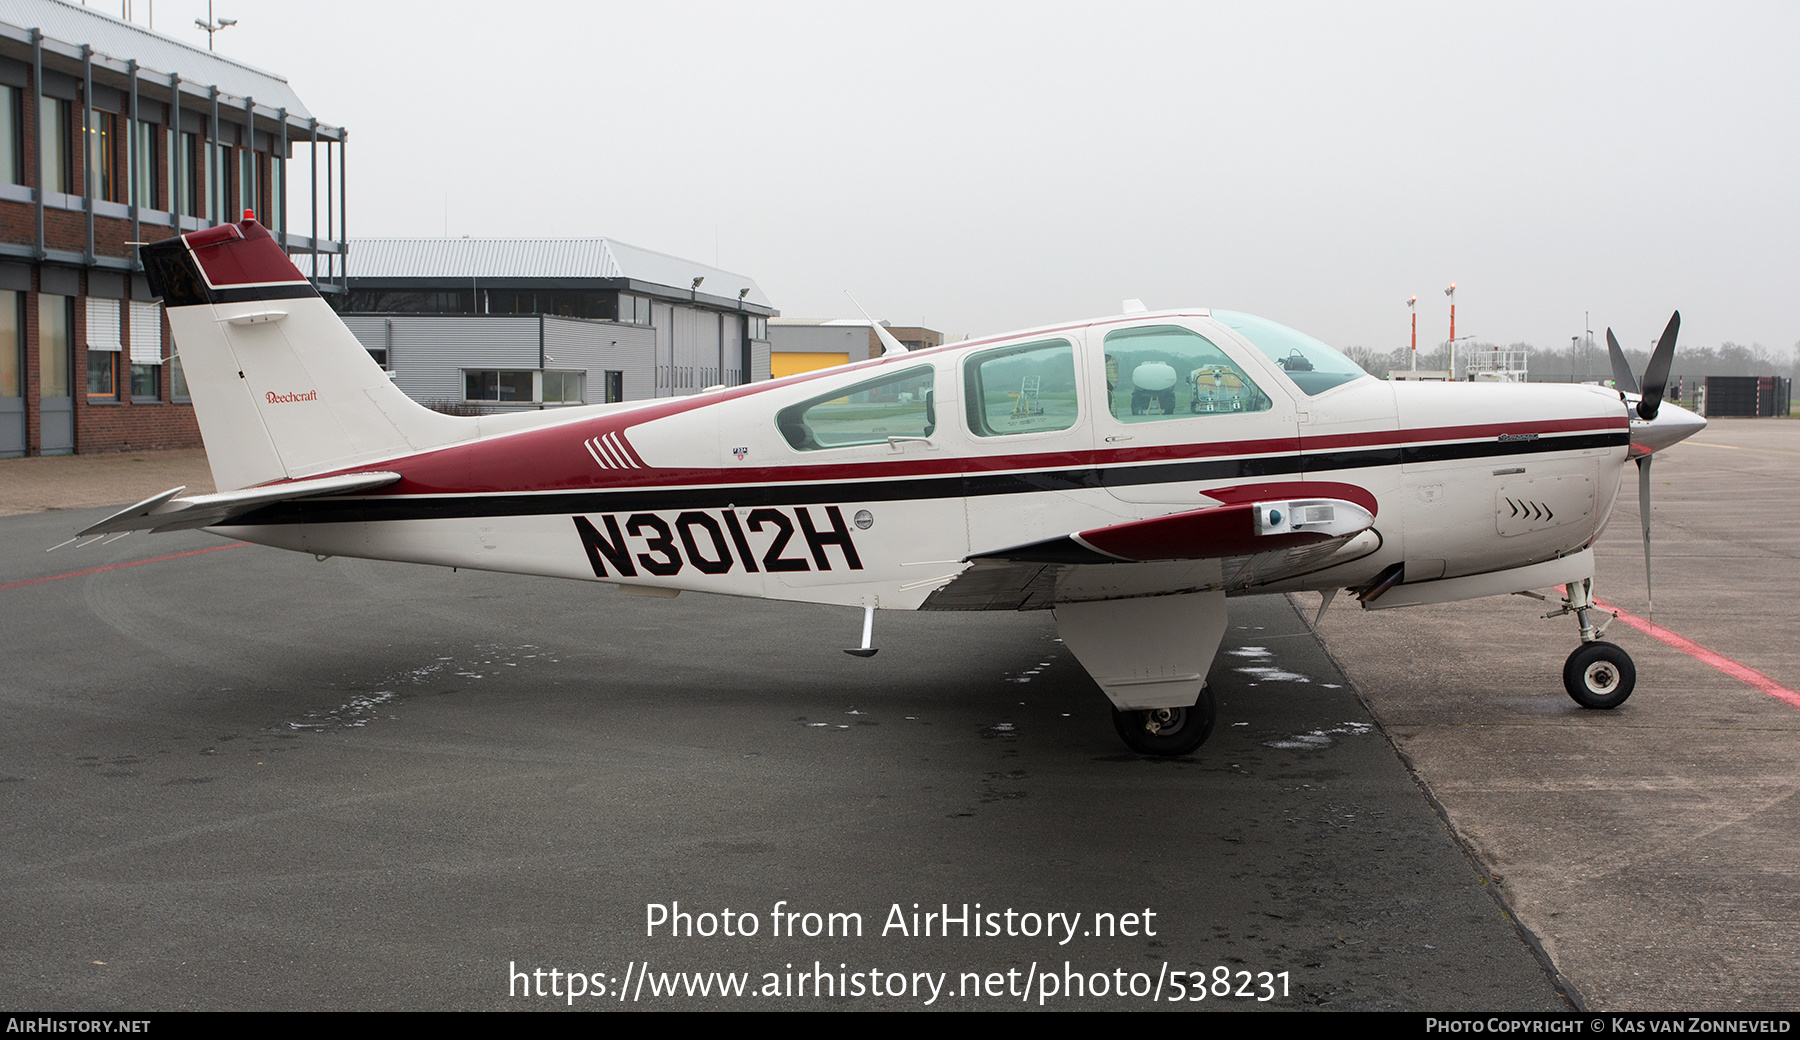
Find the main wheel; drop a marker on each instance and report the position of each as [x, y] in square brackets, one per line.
[1168, 731]
[1599, 675]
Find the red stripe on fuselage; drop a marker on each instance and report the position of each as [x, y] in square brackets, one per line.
[555, 459]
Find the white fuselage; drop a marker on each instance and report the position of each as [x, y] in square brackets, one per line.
[711, 493]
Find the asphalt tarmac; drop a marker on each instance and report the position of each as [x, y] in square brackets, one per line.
[245, 779]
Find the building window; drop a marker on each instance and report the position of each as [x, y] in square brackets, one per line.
[103, 371]
[277, 215]
[102, 153]
[524, 387]
[143, 164]
[178, 388]
[53, 345]
[146, 383]
[193, 176]
[634, 309]
[146, 350]
[12, 164]
[217, 186]
[12, 354]
[103, 348]
[615, 387]
[53, 145]
[246, 160]
[563, 387]
[497, 386]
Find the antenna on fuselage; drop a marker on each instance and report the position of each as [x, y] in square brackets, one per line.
[889, 345]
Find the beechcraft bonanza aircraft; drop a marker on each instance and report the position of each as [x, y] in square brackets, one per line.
[1128, 473]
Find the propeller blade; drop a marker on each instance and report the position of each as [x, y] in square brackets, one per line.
[1622, 377]
[1656, 374]
[1644, 512]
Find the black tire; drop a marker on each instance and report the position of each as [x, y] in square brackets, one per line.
[1599, 675]
[1179, 730]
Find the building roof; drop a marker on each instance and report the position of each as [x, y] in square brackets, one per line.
[75, 25]
[373, 259]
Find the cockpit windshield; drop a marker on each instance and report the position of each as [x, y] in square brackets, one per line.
[1313, 366]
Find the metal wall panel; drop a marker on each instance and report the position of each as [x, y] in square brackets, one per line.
[662, 315]
[428, 352]
[598, 347]
[759, 360]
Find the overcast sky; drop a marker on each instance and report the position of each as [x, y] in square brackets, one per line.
[978, 167]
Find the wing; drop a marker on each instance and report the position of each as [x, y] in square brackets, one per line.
[1252, 538]
[165, 512]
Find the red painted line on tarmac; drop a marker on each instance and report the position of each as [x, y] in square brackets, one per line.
[1742, 673]
[118, 566]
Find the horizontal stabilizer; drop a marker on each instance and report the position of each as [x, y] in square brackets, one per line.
[165, 512]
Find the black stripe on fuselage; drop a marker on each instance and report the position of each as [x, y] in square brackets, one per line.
[973, 485]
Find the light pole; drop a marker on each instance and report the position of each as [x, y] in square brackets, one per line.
[1451, 292]
[1412, 305]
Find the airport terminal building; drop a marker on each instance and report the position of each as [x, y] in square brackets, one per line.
[490, 324]
[111, 134]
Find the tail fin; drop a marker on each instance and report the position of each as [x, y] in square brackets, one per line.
[280, 387]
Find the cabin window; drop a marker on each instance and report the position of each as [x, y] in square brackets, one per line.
[1029, 388]
[1313, 366]
[1168, 372]
[897, 405]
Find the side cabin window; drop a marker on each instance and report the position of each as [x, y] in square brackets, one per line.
[1168, 372]
[898, 404]
[1027, 388]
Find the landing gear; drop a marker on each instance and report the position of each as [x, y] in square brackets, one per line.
[1168, 731]
[1599, 675]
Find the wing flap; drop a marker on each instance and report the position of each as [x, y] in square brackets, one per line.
[165, 512]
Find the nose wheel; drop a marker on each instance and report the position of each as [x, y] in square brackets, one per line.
[1599, 675]
[1168, 731]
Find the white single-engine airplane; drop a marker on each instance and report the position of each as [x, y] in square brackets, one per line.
[1129, 473]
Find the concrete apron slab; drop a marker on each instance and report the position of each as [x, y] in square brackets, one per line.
[1651, 848]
